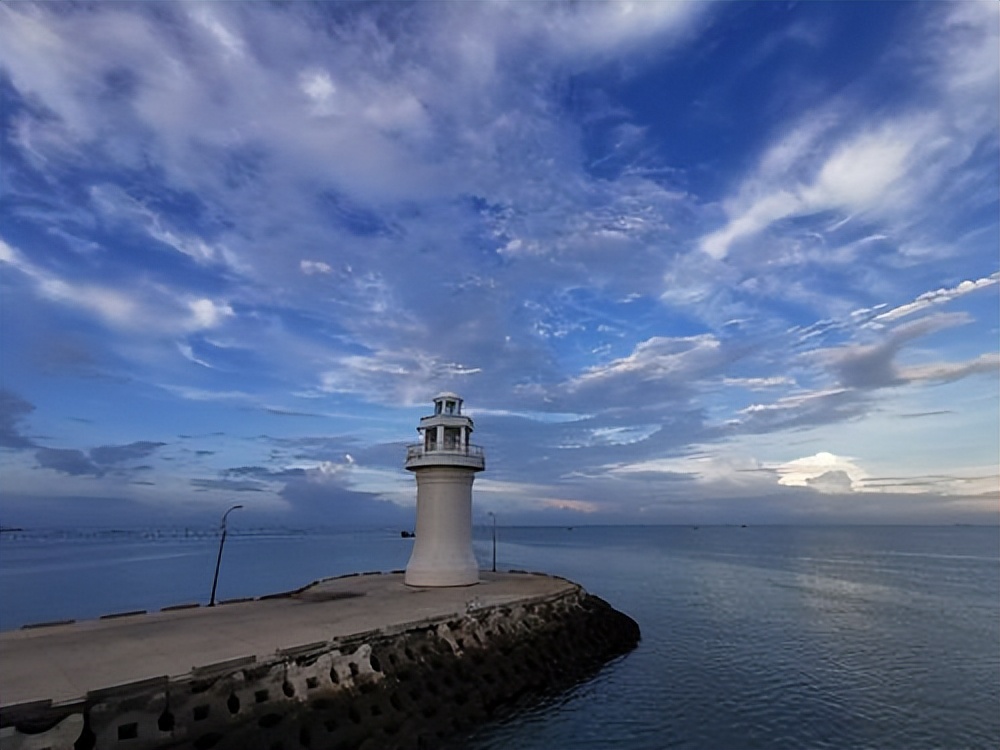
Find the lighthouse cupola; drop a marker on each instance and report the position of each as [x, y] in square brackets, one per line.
[444, 438]
[445, 463]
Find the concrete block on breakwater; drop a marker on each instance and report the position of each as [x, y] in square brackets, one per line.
[356, 661]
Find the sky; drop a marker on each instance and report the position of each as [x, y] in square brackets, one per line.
[686, 262]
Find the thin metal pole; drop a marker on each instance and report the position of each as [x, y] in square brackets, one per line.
[218, 560]
[494, 541]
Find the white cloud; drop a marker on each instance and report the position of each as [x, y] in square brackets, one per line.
[147, 307]
[760, 383]
[189, 354]
[208, 314]
[310, 267]
[801, 410]
[965, 39]
[194, 247]
[627, 435]
[328, 471]
[200, 394]
[111, 305]
[608, 28]
[8, 254]
[319, 87]
[864, 173]
[794, 401]
[117, 206]
[707, 465]
[760, 214]
[823, 471]
[406, 377]
[230, 42]
[659, 358]
[936, 297]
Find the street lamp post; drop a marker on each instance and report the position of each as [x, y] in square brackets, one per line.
[218, 560]
[494, 516]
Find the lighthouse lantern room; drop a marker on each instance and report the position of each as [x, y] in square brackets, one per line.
[445, 464]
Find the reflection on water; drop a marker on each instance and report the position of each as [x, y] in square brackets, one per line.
[781, 638]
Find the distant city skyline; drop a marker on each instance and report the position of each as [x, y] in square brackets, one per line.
[685, 262]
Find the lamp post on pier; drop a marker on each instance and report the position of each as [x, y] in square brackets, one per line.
[494, 517]
[218, 560]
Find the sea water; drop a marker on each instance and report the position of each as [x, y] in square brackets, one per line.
[760, 637]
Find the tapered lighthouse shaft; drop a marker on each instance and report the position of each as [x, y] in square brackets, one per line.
[442, 552]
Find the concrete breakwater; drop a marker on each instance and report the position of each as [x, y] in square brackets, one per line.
[396, 667]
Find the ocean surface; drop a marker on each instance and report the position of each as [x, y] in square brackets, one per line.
[759, 637]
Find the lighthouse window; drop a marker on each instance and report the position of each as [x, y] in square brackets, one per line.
[449, 407]
[437, 407]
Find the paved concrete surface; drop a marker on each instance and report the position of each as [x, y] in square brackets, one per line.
[63, 662]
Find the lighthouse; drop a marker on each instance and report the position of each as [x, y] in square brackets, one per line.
[444, 463]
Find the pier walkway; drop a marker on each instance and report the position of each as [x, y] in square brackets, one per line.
[63, 662]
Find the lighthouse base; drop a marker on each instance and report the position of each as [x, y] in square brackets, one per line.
[434, 578]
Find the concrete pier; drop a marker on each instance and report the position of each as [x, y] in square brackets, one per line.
[230, 675]
[64, 662]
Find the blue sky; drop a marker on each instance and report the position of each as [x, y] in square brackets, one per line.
[687, 263]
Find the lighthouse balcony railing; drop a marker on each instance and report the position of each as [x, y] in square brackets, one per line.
[447, 454]
[419, 450]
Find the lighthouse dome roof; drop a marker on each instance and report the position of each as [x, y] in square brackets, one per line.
[448, 395]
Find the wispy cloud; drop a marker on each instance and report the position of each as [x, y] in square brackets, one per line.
[641, 277]
[936, 297]
[152, 308]
[882, 163]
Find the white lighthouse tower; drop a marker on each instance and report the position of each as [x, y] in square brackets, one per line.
[445, 463]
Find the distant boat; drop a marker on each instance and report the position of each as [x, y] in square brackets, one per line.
[407, 534]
